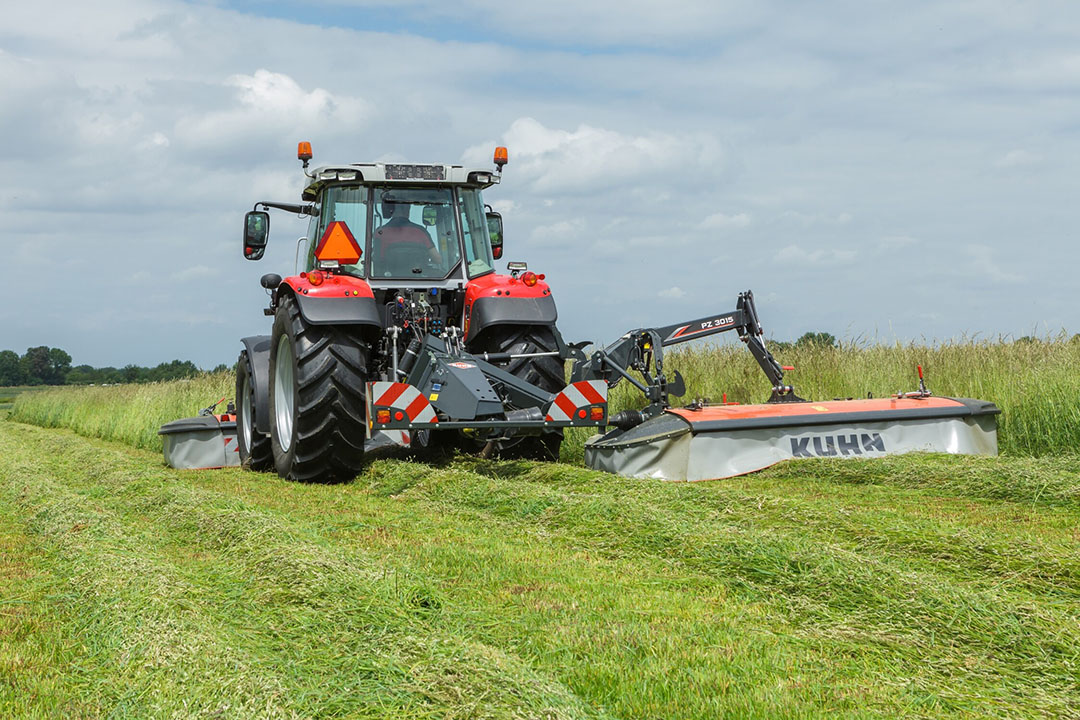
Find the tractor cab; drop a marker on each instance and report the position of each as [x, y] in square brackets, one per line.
[414, 225]
[407, 233]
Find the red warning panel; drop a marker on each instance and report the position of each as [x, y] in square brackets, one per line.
[338, 243]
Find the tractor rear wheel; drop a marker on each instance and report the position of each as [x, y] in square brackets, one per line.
[254, 446]
[545, 372]
[317, 407]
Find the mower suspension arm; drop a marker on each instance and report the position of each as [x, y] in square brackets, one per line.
[635, 350]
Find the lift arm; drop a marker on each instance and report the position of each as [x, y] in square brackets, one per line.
[642, 350]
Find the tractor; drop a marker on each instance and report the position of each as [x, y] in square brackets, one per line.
[395, 253]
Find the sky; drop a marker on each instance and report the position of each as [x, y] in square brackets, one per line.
[880, 171]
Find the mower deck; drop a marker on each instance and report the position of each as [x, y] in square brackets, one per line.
[722, 441]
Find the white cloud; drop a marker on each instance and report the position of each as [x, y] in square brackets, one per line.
[672, 293]
[720, 221]
[569, 161]
[267, 105]
[793, 254]
[156, 140]
[561, 232]
[817, 218]
[896, 242]
[1017, 159]
[195, 272]
[504, 206]
[982, 263]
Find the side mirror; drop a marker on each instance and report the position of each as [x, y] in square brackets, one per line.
[495, 233]
[256, 231]
[430, 215]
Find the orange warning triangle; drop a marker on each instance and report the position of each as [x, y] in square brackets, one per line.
[337, 243]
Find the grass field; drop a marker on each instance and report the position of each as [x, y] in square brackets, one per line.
[915, 586]
[1034, 384]
[8, 394]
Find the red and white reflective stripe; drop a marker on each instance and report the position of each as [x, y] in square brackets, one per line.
[404, 397]
[398, 437]
[575, 397]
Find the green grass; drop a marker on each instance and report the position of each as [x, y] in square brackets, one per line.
[131, 414]
[531, 590]
[8, 393]
[921, 585]
[1034, 384]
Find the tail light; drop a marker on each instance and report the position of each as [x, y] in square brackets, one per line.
[382, 416]
[529, 278]
[315, 277]
[596, 413]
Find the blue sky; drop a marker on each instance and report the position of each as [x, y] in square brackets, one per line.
[878, 171]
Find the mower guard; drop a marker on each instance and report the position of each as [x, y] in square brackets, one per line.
[203, 442]
[723, 441]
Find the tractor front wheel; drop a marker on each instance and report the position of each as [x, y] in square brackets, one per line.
[254, 446]
[317, 410]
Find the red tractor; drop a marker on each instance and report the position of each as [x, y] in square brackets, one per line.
[399, 268]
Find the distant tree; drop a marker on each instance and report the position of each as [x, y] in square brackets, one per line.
[774, 346]
[35, 365]
[10, 369]
[131, 373]
[1026, 340]
[816, 339]
[82, 375]
[174, 370]
[220, 368]
[59, 364]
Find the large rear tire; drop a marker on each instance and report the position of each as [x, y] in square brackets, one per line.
[255, 449]
[545, 372]
[317, 408]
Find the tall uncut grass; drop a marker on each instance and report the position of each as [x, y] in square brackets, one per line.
[131, 414]
[1035, 384]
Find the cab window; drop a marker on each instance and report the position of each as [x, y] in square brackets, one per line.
[474, 229]
[350, 206]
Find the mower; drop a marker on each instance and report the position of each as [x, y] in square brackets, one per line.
[398, 329]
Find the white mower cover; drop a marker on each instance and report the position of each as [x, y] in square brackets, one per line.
[201, 443]
[725, 441]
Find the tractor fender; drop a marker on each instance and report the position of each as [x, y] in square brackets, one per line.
[340, 300]
[257, 348]
[487, 312]
[506, 300]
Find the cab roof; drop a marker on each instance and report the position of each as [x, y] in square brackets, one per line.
[397, 173]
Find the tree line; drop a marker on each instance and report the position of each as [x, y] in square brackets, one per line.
[44, 365]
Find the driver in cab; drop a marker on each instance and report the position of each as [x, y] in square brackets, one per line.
[399, 238]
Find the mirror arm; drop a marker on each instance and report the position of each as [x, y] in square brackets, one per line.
[296, 208]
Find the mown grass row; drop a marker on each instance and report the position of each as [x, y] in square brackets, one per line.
[1034, 383]
[528, 590]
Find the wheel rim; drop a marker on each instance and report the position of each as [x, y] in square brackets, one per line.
[248, 418]
[284, 402]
